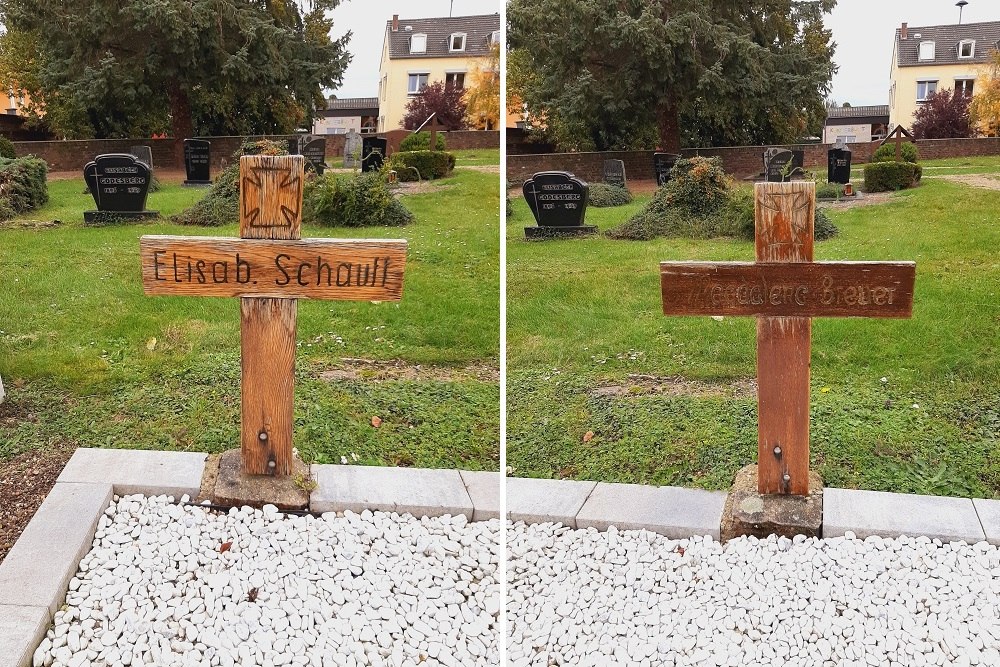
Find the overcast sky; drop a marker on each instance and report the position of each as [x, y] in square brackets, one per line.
[366, 19]
[864, 31]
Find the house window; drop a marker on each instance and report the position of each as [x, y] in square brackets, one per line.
[925, 89]
[926, 51]
[457, 42]
[454, 80]
[418, 43]
[964, 87]
[416, 82]
[495, 37]
[967, 48]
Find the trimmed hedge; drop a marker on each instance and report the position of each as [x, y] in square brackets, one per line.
[603, 195]
[889, 176]
[7, 149]
[421, 141]
[356, 200]
[23, 185]
[430, 164]
[887, 153]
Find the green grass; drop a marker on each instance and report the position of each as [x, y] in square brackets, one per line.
[585, 314]
[463, 158]
[985, 164]
[77, 348]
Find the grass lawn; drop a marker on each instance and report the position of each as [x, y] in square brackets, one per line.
[89, 360]
[669, 400]
[472, 157]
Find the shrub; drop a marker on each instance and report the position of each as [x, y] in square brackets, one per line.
[603, 195]
[697, 186]
[823, 227]
[7, 149]
[887, 153]
[829, 190]
[220, 205]
[23, 185]
[888, 176]
[421, 141]
[430, 164]
[353, 200]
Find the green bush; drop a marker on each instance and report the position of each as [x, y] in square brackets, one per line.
[421, 141]
[698, 186]
[829, 190]
[603, 195]
[887, 153]
[23, 185]
[889, 176]
[430, 164]
[353, 200]
[7, 149]
[220, 205]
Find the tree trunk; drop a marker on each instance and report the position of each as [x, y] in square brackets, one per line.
[181, 125]
[668, 126]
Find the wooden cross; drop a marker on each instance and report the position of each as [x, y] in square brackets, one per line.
[896, 136]
[269, 267]
[435, 124]
[784, 289]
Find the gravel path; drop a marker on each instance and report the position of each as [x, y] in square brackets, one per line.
[581, 597]
[183, 586]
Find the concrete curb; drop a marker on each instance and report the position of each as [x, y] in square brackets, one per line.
[133, 471]
[484, 490]
[867, 513]
[418, 491]
[544, 500]
[671, 511]
[21, 631]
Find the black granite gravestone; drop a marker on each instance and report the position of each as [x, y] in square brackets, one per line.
[373, 152]
[143, 154]
[119, 184]
[614, 172]
[558, 200]
[838, 165]
[315, 154]
[197, 162]
[777, 165]
[662, 164]
[293, 146]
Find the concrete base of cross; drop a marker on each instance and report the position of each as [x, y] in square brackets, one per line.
[232, 488]
[747, 512]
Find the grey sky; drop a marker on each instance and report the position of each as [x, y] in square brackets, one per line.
[366, 19]
[864, 30]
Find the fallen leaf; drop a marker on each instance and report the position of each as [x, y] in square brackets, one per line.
[376, 422]
[226, 546]
[825, 390]
[151, 344]
[252, 595]
[588, 436]
[679, 551]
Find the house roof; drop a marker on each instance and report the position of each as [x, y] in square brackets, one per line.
[855, 115]
[438, 30]
[350, 106]
[946, 39]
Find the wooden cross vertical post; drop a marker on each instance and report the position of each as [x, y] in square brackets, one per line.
[784, 289]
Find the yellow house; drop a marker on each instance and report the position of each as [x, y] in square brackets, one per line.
[933, 58]
[418, 52]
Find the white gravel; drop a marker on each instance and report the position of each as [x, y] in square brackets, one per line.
[583, 597]
[380, 589]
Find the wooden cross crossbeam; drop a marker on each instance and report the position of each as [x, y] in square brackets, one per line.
[269, 267]
[784, 289]
[897, 136]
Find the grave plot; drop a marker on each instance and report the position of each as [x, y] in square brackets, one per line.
[584, 598]
[169, 584]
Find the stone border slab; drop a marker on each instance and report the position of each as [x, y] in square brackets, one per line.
[21, 631]
[37, 569]
[133, 471]
[418, 491]
[867, 513]
[546, 500]
[989, 517]
[674, 512]
[484, 490]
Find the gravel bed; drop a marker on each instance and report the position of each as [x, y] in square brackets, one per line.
[583, 597]
[179, 585]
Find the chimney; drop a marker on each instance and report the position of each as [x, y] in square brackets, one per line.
[395, 24]
[902, 31]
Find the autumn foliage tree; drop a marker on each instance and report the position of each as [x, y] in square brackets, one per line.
[945, 115]
[447, 101]
[483, 96]
[984, 110]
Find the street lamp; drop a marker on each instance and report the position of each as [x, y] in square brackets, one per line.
[960, 4]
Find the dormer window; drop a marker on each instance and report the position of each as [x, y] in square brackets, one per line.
[967, 48]
[926, 51]
[418, 43]
[457, 42]
[495, 37]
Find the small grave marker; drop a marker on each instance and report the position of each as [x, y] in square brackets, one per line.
[373, 153]
[293, 145]
[898, 136]
[558, 200]
[434, 124]
[198, 162]
[144, 154]
[269, 267]
[119, 184]
[314, 152]
[784, 289]
[838, 166]
[614, 173]
[352, 150]
[662, 164]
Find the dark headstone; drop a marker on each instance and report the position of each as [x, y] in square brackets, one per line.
[558, 200]
[197, 161]
[119, 184]
[662, 164]
[614, 172]
[778, 165]
[293, 146]
[838, 165]
[315, 154]
[373, 152]
[143, 154]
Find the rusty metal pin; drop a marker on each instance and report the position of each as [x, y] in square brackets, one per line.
[787, 477]
[777, 451]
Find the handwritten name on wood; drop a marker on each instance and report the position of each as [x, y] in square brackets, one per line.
[336, 269]
[816, 289]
